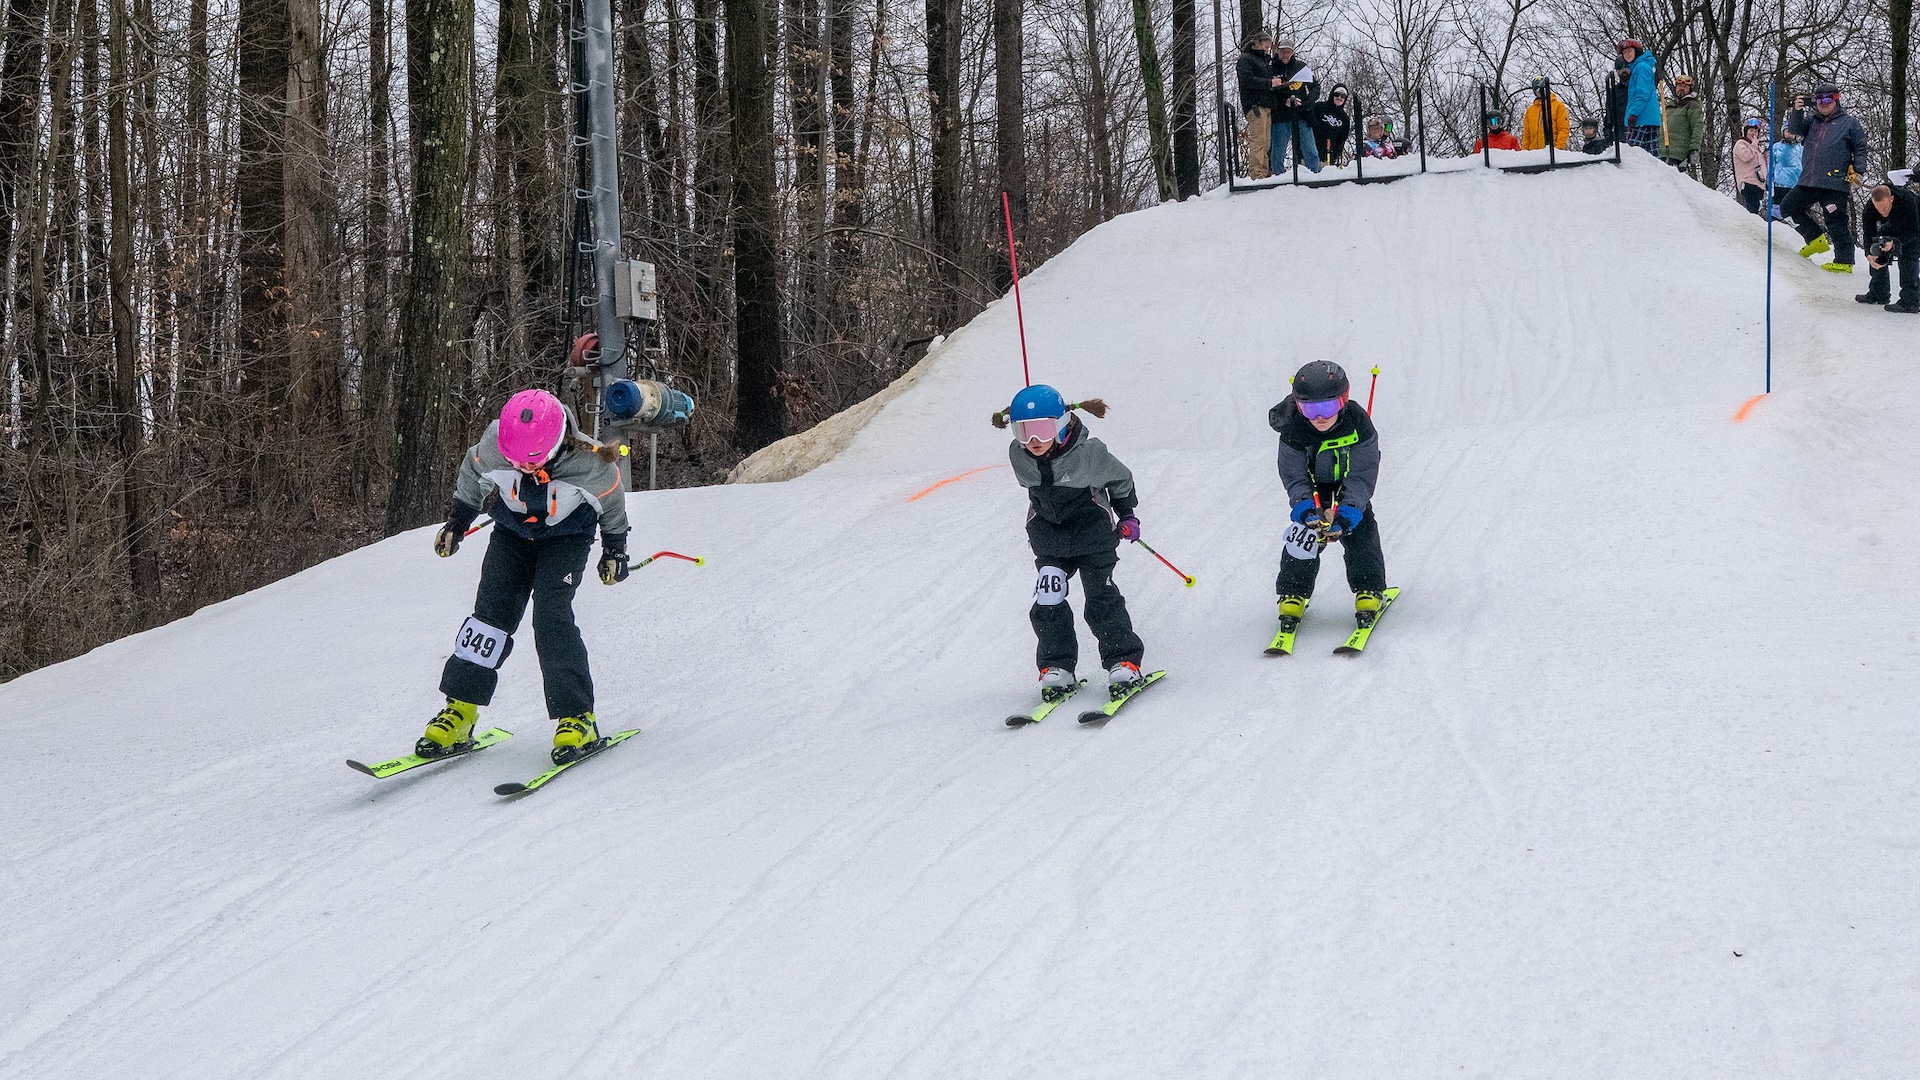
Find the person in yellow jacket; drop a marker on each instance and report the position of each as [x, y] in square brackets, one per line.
[1532, 135]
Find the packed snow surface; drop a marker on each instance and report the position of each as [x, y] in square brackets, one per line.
[1624, 786]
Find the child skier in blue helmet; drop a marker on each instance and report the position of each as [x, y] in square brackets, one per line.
[1080, 503]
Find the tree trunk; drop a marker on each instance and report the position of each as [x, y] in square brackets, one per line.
[1010, 110]
[645, 127]
[711, 166]
[376, 340]
[1250, 19]
[312, 323]
[1106, 199]
[143, 556]
[1186, 95]
[849, 173]
[262, 40]
[943, 93]
[804, 76]
[1157, 138]
[759, 413]
[439, 60]
[20, 77]
[1900, 23]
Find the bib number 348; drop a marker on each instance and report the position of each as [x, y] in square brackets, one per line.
[1302, 542]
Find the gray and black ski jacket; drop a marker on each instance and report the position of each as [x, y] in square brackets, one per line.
[1341, 464]
[576, 492]
[1074, 494]
[1833, 144]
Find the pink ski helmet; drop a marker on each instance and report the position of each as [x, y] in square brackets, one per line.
[531, 427]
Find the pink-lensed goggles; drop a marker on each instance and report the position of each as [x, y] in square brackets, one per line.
[1045, 429]
[1322, 410]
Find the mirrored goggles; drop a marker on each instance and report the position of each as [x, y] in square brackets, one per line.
[1825, 99]
[1045, 429]
[1321, 410]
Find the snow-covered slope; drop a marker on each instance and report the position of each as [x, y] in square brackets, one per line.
[1625, 786]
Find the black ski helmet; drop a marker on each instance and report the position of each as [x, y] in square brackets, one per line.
[1321, 380]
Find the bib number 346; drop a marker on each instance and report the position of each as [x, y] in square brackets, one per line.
[1050, 587]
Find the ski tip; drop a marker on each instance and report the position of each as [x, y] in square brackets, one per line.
[509, 789]
[1276, 651]
[1094, 717]
[358, 767]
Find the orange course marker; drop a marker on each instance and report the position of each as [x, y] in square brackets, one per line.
[923, 493]
[1741, 416]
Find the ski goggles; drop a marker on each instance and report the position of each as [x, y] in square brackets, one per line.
[1044, 429]
[1322, 410]
[1825, 99]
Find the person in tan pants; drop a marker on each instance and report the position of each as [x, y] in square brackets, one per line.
[1255, 72]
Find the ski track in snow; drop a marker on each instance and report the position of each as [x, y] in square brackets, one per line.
[1645, 703]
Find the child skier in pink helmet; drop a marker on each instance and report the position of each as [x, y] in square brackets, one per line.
[552, 488]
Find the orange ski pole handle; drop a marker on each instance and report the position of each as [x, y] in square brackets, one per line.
[694, 559]
[1184, 576]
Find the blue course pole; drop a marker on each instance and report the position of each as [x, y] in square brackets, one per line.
[1772, 88]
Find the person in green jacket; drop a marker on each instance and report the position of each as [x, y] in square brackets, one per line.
[1686, 123]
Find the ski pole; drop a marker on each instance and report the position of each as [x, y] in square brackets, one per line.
[476, 528]
[1370, 387]
[1184, 576]
[695, 560]
[1013, 262]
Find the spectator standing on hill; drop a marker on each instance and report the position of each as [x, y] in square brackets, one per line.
[1783, 168]
[1890, 232]
[1750, 167]
[1835, 157]
[1295, 90]
[1378, 145]
[1643, 97]
[1255, 72]
[1532, 136]
[1331, 127]
[1590, 140]
[1686, 123]
[1497, 136]
[1617, 82]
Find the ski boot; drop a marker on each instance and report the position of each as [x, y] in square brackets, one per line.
[1292, 607]
[1056, 683]
[449, 732]
[1838, 268]
[1123, 676]
[1366, 607]
[1815, 246]
[575, 735]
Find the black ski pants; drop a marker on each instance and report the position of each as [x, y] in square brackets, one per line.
[1835, 213]
[547, 572]
[1908, 260]
[1366, 564]
[1106, 613]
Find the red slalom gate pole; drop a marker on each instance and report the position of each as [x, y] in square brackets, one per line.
[1370, 389]
[695, 560]
[1184, 576]
[1013, 260]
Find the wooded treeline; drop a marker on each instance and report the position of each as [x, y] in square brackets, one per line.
[269, 264]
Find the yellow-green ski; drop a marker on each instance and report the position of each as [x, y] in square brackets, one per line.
[413, 761]
[1289, 626]
[1357, 640]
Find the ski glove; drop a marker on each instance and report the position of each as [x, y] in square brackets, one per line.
[1305, 510]
[447, 540]
[1130, 528]
[613, 558]
[1347, 518]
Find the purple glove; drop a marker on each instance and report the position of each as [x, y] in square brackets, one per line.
[1129, 528]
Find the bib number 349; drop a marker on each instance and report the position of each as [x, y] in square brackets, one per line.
[482, 645]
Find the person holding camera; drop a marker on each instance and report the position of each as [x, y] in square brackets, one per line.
[1750, 166]
[1255, 73]
[1834, 158]
[1890, 232]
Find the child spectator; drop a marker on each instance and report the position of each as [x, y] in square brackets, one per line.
[1784, 168]
[1590, 139]
[1750, 167]
[1378, 145]
[1497, 136]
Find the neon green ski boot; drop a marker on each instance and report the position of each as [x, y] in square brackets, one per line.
[1292, 607]
[1815, 246]
[1366, 607]
[1838, 268]
[573, 735]
[449, 730]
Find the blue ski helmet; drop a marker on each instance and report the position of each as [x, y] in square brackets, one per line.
[1037, 402]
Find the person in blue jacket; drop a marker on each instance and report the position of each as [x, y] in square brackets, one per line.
[1784, 171]
[1643, 97]
[1834, 160]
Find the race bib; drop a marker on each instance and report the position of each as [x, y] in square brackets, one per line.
[1050, 587]
[481, 645]
[1302, 542]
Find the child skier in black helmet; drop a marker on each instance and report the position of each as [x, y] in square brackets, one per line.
[1330, 462]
